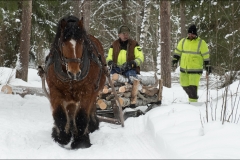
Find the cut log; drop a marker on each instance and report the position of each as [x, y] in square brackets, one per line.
[23, 90]
[119, 78]
[140, 96]
[6, 89]
[108, 90]
[151, 85]
[105, 89]
[125, 88]
[134, 91]
[103, 104]
[109, 97]
[127, 94]
[146, 81]
[115, 77]
[125, 101]
[150, 92]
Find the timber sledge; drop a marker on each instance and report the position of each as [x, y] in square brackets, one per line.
[118, 95]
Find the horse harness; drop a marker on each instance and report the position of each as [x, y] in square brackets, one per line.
[58, 60]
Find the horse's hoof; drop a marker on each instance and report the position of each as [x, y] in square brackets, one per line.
[81, 143]
[61, 138]
[77, 145]
[93, 124]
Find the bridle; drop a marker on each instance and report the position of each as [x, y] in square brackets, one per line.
[65, 60]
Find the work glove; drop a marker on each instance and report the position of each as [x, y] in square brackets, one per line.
[111, 63]
[208, 69]
[174, 63]
[132, 64]
[129, 65]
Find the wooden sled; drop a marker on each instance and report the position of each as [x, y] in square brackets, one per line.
[139, 93]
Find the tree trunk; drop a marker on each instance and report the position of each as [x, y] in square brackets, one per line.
[23, 59]
[86, 14]
[77, 8]
[82, 8]
[165, 42]
[124, 11]
[148, 64]
[183, 18]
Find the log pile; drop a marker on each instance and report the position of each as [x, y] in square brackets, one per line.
[142, 91]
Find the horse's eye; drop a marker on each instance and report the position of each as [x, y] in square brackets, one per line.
[63, 44]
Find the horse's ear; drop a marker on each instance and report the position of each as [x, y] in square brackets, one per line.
[63, 23]
[81, 22]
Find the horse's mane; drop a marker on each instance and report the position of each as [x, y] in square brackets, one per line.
[71, 31]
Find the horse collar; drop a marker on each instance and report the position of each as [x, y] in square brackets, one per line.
[55, 58]
[62, 75]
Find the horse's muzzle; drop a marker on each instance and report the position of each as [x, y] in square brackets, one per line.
[74, 76]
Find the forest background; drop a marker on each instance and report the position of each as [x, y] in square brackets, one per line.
[218, 23]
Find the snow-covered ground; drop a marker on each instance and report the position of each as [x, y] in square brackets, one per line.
[173, 130]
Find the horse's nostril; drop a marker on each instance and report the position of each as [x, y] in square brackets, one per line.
[78, 74]
[70, 74]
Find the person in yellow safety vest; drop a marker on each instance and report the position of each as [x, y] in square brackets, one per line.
[193, 54]
[125, 55]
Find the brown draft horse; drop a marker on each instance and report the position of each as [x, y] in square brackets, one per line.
[75, 74]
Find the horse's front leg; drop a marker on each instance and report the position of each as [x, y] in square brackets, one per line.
[93, 119]
[81, 135]
[86, 121]
[61, 132]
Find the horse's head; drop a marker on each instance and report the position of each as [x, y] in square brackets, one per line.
[71, 45]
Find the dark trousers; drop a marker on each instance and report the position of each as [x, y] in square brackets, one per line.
[191, 91]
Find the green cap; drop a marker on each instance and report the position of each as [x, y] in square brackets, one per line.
[123, 29]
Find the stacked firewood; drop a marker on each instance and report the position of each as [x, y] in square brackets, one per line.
[140, 91]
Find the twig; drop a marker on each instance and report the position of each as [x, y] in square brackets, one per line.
[207, 98]
[236, 110]
[201, 119]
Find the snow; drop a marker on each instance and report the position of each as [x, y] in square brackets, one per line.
[175, 129]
